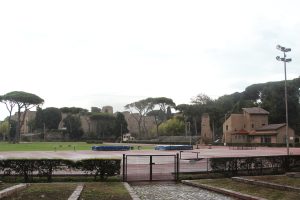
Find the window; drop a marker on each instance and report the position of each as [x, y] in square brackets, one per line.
[252, 125]
[265, 139]
[226, 127]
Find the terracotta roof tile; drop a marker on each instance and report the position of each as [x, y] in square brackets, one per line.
[271, 127]
[256, 110]
[241, 132]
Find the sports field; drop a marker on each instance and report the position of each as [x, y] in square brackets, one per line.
[56, 146]
[79, 150]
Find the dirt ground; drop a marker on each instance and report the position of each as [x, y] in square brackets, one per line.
[203, 152]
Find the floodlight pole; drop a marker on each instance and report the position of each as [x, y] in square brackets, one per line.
[286, 110]
[285, 60]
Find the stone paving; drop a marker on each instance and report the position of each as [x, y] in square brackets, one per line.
[169, 191]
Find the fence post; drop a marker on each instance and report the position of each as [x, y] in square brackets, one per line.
[124, 176]
[151, 167]
[207, 160]
[287, 163]
[177, 167]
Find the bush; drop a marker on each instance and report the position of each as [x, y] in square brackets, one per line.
[28, 168]
[261, 144]
[232, 166]
[94, 142]
[99, 167]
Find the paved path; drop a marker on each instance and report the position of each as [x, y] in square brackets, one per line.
[175, 192]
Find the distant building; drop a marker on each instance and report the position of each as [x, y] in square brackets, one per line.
[107, 109]
[252, 127]
[27, 125]
[127, 137]
[148, 122]
[206, 132]
[90, 126]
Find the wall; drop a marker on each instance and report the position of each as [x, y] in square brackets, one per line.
[257, 121]
[234, 122]
[281, 135]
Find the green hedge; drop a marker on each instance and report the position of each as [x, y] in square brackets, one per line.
[94, 142]
[263, 144]
[29, 168]
[157, 142]
[255, 165]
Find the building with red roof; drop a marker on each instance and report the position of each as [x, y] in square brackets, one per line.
[252, 127]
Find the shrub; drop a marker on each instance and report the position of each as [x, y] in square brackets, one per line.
[231, 166]
[28, 168]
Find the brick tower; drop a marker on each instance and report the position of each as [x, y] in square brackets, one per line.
[206, 132]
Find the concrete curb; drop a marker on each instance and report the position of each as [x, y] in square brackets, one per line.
[266, 184]
[131, 192]
[223, 191]
[76, 194]
[13, 189]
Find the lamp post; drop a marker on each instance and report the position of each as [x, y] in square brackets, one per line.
[225, 131]
[285, 60]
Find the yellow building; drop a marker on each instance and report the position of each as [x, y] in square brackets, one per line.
[252, 127]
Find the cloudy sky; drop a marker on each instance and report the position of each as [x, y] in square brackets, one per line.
[96, 53]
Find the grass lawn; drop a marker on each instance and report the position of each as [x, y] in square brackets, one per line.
[258, 191]
[104, 190]
[45, 191]
[58, 146]
[61, 191]
[279, 179]
[5, 185]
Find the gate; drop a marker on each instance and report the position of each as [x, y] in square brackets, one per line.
[150, 167]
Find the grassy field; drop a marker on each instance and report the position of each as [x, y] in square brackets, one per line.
[5, 185]
[279, 179]
[55, 146]
[258, 191]
[107, 191]
[47, 191]
[61, 191]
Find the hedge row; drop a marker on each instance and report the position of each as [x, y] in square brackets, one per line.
[157, 142]
[232, 166]
[261, 144]
[28, 168]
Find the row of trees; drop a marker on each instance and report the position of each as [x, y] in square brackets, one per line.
[23, 101]
[159, 108]
[100, 125]
[107, 125]
[269, 96]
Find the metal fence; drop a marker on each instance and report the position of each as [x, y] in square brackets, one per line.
[168, 167]
[150, 167]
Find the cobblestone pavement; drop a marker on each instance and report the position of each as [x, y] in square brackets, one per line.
[170, 191]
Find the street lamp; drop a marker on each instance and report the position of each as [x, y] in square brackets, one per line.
[225, 131]
[285, 60]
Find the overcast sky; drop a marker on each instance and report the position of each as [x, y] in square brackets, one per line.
[96, 53]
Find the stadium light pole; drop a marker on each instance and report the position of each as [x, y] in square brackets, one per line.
[285, 60]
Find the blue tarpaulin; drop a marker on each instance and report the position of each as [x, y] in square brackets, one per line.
[174, 147]
[110, 148]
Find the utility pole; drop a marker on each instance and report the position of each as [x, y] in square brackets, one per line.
[285, 60]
